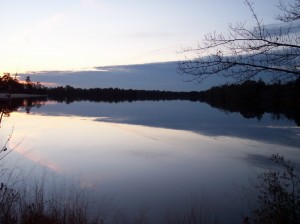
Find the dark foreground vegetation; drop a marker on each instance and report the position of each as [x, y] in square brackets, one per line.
[278, 195]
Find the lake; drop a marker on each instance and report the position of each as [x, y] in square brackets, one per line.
[161, 156]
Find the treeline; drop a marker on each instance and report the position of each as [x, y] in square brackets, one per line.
[254, 98]
[251, 98]
[10, 84]
[70, 94]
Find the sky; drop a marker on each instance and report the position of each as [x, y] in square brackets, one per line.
[73, 35]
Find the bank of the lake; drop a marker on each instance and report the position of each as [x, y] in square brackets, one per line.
[19, 96]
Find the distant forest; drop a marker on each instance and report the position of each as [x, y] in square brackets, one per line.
[250, 98]
[254, 98]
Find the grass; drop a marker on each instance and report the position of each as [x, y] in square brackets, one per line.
[33, 204]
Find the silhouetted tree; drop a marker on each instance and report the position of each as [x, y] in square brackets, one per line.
[28, 83]
[279, 195]
[245, 53]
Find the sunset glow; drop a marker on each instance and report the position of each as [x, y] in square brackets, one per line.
[78, 34]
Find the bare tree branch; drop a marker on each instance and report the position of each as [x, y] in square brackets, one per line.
[245, 53]
[290, 12]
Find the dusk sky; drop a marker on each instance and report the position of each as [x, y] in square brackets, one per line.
[43, 35]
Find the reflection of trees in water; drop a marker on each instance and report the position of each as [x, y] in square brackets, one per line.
[275, 190]
[252, 99]
[7, 106]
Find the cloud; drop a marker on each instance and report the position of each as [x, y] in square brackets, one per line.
[152, 76]
[283, 28]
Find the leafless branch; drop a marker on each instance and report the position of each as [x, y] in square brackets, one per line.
[244, 53]
[290, 12]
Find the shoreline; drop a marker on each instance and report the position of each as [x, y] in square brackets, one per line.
[18, 95]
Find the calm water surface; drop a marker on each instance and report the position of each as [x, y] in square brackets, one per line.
[159, 155]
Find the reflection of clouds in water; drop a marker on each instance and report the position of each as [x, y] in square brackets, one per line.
[39, 159]
[137, 161]
[112, 120]
[259, 160]
[184, 115]
[135, 131]
[265, 161]
[283, 127]
[147, 154]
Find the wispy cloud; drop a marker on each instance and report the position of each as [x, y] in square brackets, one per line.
[30, 34]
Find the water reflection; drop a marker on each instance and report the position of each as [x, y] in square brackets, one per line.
[184, 115]
[135, 164]
[9, 105]
[179, 115]
[154, 153]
